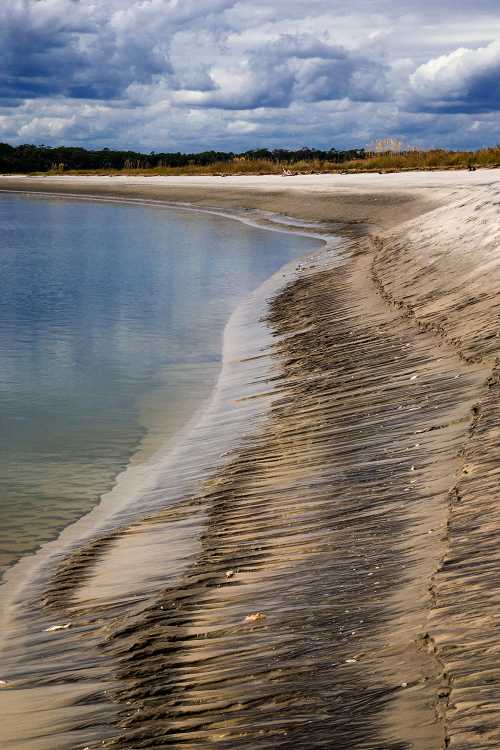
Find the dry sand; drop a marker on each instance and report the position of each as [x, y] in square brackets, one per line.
[363, 520]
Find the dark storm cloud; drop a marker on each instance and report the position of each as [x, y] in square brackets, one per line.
[33, 58]
[77, 49]
[55, 48]
[293, 68]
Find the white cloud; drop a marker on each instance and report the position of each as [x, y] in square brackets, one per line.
[240, 127]
[464, 80]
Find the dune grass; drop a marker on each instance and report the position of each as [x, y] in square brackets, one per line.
[409, 161]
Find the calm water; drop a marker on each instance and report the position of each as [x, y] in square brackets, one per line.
[111, 322]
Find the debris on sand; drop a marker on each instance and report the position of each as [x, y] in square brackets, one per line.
[229, 573]
[3, 684]
[255, 617]
[55, 628]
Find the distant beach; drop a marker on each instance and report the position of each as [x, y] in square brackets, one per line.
[330, 575]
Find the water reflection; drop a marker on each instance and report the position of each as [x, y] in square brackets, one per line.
[111, 326]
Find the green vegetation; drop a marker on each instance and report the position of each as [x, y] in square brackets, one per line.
[66, 160]
[29, 158]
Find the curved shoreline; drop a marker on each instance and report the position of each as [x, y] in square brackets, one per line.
[363, 481]
[22, 569]
[79, 535]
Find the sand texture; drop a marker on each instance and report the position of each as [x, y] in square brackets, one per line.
[343, 589]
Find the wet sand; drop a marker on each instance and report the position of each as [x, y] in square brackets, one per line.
[341, 584]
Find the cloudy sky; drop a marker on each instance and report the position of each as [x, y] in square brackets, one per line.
[226, 74]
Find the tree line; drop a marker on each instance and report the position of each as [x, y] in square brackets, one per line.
[41, 158]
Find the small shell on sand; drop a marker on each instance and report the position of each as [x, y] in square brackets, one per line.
[229, 573]
[255, 617]
[3, 684]
[54, 628]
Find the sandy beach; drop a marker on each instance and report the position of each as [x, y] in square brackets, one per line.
[344, 591]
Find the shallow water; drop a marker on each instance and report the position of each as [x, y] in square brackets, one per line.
[110, 338]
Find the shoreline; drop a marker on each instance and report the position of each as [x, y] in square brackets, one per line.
[22, 576]
[412, 285]
[304, 199]
[16, 575]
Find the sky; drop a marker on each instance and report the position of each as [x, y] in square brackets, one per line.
[190, 75]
